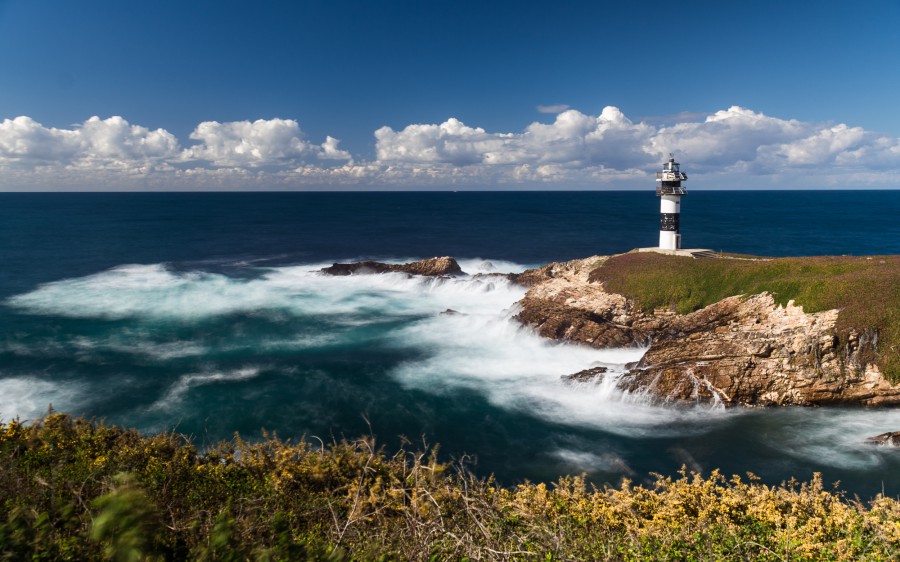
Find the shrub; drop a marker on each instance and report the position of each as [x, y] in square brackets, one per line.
[71, 489]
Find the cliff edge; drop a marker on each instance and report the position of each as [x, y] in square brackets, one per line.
[755, 346]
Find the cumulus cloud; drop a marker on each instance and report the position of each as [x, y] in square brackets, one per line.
[609, 147]
[114, 153]
[572, 149]
[573, 140]
[258, 143]
[450, 142]
[111, 142]
[743, 140]
[726, 137]
[330, 150]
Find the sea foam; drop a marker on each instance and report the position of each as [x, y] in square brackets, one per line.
[29, 398]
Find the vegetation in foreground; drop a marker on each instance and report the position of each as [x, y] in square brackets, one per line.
[73, 489]
[866, 290]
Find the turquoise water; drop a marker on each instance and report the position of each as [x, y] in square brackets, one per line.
[204, 313]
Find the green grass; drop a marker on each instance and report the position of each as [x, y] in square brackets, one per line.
[71, 489]
[866, 290]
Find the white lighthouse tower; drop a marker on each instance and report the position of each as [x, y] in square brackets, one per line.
[668, 188]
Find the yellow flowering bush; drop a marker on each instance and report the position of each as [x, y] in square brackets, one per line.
[74, 489]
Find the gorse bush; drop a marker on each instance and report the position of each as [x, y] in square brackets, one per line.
[79, 490]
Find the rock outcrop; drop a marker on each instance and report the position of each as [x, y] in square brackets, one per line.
[741, 350]
[891, 439]
[587, 375]
[431, 267]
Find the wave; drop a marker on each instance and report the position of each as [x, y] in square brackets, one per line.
[144, 291]
[583, 461]
[137, 343]
[30, 398]
[516, 369]
[177, 391]
[155, 292]
[830, 436]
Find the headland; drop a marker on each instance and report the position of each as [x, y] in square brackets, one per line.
[739, 330]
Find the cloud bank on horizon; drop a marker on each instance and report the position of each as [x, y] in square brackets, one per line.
[731, 148]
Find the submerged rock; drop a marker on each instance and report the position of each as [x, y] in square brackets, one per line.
[430, 267]
[891, 439]
[587, 375]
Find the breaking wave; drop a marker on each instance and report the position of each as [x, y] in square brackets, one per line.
[29, 398]
[159, 293]
[187, 382]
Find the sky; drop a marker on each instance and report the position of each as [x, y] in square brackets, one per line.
[455, 94]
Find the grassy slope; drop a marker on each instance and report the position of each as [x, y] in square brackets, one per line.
[76, 490]
[866, 290]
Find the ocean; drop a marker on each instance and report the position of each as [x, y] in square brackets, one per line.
[205, 314]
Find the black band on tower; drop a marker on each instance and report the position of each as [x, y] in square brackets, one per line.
[670, 222]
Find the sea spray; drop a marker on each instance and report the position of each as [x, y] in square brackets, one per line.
[29, 398]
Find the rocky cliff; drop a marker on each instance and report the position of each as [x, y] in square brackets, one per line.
[740, 350]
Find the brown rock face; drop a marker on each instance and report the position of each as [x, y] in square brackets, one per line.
[431, 267]
[563, 305]
[892, 438]
[740, 350]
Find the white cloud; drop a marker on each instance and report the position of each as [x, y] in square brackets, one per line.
[95, 143]
[450, 142]
[739, 139]
[726, 137]
[114, 139]
[260, 143]
[573, 140]
[824, 146]
[574, 149]
[330, 150]
[610, 148]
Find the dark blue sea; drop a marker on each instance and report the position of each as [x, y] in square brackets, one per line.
[204, 313]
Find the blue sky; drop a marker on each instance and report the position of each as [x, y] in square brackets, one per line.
[290, 95]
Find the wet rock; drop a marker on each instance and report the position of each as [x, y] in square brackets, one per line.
[451, 312]
[433, 266]
[490, 276]
[341, 269]
[587, 375]
[429, 267]
[891, 438]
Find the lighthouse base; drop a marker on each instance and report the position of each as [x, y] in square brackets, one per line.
[686, 252]
[669, 240]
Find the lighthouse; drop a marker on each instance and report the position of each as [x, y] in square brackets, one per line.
[668, 188]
